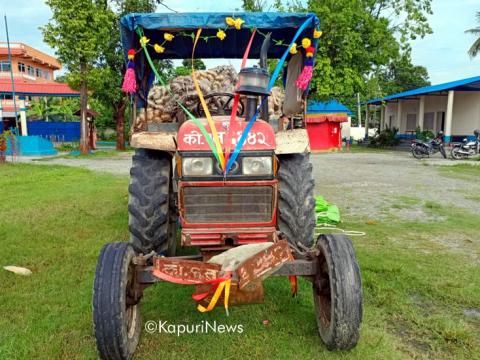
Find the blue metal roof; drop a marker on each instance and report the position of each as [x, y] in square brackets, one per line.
[470, 84]
[327, 107]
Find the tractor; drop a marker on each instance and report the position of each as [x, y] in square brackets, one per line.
[225, 179]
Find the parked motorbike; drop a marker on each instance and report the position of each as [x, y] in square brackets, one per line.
[466, 148]
[424, 149]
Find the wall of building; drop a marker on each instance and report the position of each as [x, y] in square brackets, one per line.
[466, 113]
[28, 63]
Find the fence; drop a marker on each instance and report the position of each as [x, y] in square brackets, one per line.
[55, 131]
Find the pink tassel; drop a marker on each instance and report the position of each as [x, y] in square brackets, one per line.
[129, 81]
[305, 77]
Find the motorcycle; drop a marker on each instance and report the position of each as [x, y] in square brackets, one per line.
[424, 149]
[466, 148]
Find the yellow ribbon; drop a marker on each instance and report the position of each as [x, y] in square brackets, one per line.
[211, 123]
[223, 285]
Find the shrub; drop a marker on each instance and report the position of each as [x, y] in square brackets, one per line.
[385, 138]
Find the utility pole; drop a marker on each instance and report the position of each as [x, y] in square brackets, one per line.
[11, 76]
[359, 110]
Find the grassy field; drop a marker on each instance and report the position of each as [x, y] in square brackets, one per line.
[94, 154]
[420, 279]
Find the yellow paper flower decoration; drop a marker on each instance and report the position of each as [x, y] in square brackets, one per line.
[158, 49]
[221, 34]
[306, 42]
[238, 23]
[293, 49]
[168, 36]
[144, 41]
[317, 34]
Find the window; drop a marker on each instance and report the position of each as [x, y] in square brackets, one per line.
[21, 67]
[411, 122]
[46, 74]
[38, 72]
[31, 70]
[428, 121]
[4, 66]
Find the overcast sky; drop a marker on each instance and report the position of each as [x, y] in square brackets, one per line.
[444, 53]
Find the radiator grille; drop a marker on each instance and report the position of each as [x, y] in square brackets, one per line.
[227, 204]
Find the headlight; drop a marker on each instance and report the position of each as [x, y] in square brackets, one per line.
[197, 166]
[258, 165]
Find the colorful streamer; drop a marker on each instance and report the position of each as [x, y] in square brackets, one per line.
[228, 140]
[210, 121]
[273, 78]
[189, 114]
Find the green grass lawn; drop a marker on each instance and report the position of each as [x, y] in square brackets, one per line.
[469, 172]
[94, 154]
[54, 220]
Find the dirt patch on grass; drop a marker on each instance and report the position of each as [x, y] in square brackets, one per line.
[377, 185]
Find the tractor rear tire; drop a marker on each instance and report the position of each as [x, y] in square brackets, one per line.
[150, 207]
[337, 292]
[116, 316]
[296, 203]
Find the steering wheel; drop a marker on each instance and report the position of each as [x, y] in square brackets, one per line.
[221, 104]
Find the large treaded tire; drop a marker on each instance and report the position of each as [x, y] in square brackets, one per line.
[296, 203]
[116, 318]
[337, 292]
[150, 195]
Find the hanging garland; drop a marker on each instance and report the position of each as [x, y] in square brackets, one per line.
[129, 84]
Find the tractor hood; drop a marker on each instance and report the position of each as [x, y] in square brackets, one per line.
[260, 137]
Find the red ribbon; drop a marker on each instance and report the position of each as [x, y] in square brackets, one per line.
[236, 100]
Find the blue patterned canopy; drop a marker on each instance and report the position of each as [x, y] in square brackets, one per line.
[283, 27]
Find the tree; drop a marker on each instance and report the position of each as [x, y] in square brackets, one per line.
[186, 68]
[111, 65]
[77, 31]
[360, 38]
[475, 48]
[401, 75]
[52, 108]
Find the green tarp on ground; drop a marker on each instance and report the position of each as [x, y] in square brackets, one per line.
[326, 213]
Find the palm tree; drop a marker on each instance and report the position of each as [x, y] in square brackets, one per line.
[475, 48]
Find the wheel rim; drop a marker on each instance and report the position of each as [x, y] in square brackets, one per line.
[131, 308]
[322, 293]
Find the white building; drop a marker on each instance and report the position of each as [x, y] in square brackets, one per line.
[453, 108]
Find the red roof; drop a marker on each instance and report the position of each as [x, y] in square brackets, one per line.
[23, 87]
[14, 51]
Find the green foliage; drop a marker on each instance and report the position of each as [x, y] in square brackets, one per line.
[77, 31]
[186, 68]
[58, 109]
[423, 135]
[475, 48]
[385, 138]
[401, 75]
[364, 47]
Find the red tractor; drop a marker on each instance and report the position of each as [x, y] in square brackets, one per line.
[259, 197]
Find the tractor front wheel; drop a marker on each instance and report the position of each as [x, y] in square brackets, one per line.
[337, 292]
[296, 203]
[116, 310]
